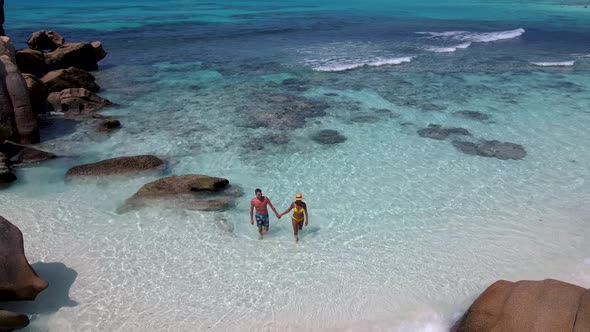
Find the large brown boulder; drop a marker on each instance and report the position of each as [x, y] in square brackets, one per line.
[16, 113]
[117, 166]
[18, 280]
[193, 191]
[78, 55]
[10, 321]
[547, 305]
[76, 102]
[45, 40]
[58, 80]
[31, 62]
[99, 52]
[37, 92]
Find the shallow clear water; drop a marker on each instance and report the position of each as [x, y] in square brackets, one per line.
[404, 231]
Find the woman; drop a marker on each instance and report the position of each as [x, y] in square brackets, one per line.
[299, 215]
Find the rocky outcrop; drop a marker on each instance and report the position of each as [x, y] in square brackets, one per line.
[547, 305]
[473, 115]
[16, 113]
[117, 166]
[58, 80]
[18, 280]
[194, 192]
[10, 321]
[38, 93]
[45, 40]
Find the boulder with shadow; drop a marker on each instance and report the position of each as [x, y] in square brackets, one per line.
[18, 280]
[45, 40]
[6, 174]
[192, 192]
[31, 62]
[547, 305]
[117, 166]
[38, 94]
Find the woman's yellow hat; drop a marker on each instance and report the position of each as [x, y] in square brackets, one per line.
[298, 197]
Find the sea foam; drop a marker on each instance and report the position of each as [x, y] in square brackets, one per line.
[343, 66]
[469, 37]
[554, 64]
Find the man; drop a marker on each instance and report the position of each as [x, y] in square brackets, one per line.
[260, 202]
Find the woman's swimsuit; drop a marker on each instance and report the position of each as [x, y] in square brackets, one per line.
[295, 210]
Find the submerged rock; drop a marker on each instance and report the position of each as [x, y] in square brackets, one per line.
[473, 115]
[117, 166]
[193, 192]
[432, 107]
[18, 280]
[328, 136]
[108, 125]
[491, 149]
[547, 305]
[440, 133]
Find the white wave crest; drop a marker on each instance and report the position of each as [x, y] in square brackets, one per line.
[476, 37]
[447, 49]
[349, 65]
[554, 64]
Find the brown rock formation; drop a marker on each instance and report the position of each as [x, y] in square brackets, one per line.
[18, 280]
[76, 102]
[6, 175]
[117, 166]
[58, 80]
[108, 125]
[547, 305]
[16, 114]
[194, 191]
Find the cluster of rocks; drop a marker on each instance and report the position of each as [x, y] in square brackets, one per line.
[483, 148]
[18, 280]
[49, 76]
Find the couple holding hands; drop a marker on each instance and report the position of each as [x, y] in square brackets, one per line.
[260, 202]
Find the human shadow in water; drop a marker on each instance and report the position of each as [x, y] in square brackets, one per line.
[55, 297]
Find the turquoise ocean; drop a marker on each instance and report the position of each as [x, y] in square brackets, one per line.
[404, 231]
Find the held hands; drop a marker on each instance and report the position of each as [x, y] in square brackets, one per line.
[279, 215]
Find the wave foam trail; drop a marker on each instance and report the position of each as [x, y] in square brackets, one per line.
[343, 66]
[448, 49]
[476, 37]
[554, 64]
